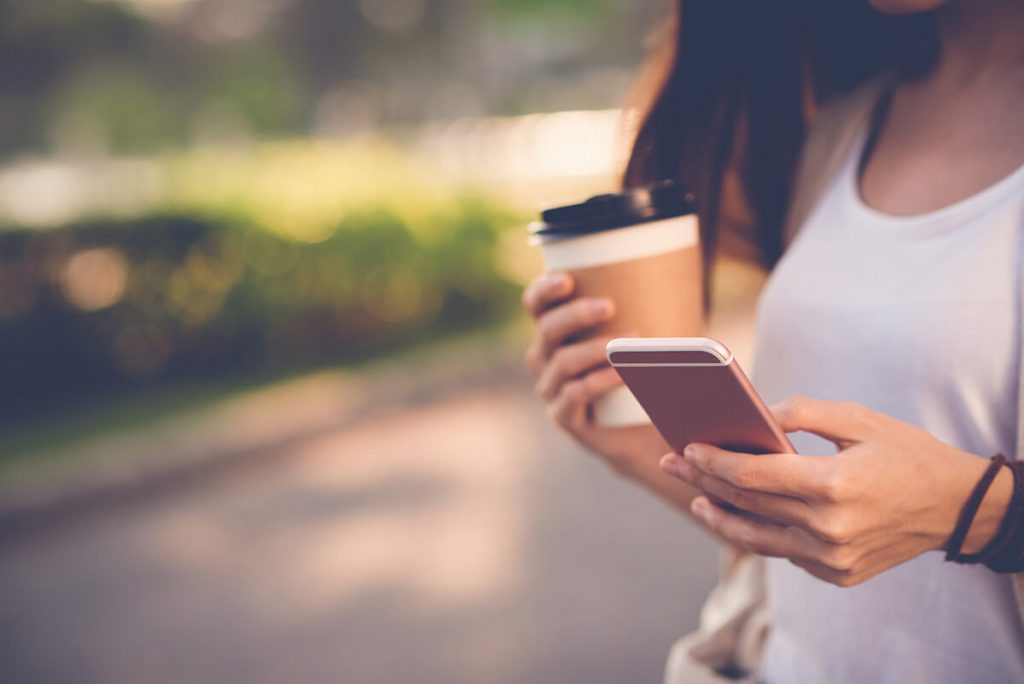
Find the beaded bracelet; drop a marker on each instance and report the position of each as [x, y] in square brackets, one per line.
[1004, 553]
[969, 510]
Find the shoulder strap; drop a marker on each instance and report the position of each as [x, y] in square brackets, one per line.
[833, 132]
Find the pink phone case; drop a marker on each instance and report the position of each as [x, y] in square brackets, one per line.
[694, 391]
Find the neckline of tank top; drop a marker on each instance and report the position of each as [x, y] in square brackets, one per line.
[938, 220]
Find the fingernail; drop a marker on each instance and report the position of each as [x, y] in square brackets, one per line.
[603, 307]
[685, 471]
[557, 282]
[671, 465]
[690, 453]
[700, 507]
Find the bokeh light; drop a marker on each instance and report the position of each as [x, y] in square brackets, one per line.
[95, 279]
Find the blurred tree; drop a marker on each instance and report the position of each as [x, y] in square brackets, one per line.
[258, 85]
[116, 107]
[41, 45]
[329, 39]
[574, 10]
[139, 79]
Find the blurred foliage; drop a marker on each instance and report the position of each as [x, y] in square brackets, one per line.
[257, 86]
[299, 188]
[258, 249]
[581, 10]
[104, 307]
[135, 80]
[116, 106]
[44, 46]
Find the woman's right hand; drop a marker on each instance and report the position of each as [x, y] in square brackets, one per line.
[572, 371]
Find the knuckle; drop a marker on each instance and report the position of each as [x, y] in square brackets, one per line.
[820, 526]
[546, 330]
[746, 537]
[715, 524]
[577, 422]
[835, 529]
[856, 409]
[799, 408]
[595, 350]
[574, 392]
[543, 290]
[840, 557]
[859, 414]
[834, 485]
[794, 539]
[562, 322]
[596, 382]
[559, 361]
[790, 403]
[744, 477]
[556, 415]
[755, 548]
[582, 314]
[737, 496]
[845, 579]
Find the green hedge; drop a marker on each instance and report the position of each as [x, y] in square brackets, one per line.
[112, 306]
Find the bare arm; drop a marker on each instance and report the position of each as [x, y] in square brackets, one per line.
[571, 374]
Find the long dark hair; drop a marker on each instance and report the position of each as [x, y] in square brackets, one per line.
[733, 85]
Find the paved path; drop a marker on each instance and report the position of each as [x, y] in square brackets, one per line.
[462, 542]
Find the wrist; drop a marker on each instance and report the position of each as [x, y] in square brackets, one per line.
[991, 513]
[621, 465]
[956, 487]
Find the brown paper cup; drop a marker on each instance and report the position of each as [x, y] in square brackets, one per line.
[653, 272]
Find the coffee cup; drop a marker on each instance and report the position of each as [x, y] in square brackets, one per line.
[641, 248]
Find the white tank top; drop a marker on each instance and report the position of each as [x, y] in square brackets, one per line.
[916, 317]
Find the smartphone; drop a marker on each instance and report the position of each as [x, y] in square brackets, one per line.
[693, 390]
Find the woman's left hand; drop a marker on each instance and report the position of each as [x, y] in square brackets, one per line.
[892, 493]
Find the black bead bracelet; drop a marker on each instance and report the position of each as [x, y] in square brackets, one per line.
[1004, 553]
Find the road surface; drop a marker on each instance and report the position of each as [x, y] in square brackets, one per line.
[464, 541]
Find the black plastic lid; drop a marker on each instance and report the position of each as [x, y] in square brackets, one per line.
[653, 202]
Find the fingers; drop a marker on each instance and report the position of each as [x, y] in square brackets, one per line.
[562, 322]
[840, 578]
[769, 539]
[546, 290]
[569, 361]
[844, 573]
[842, 422]
[841, 564]
[804, 477]
[569, 408]
[760, 537]
[844, 567]
[777, 507]
[819, 518]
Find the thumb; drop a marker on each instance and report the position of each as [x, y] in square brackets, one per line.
[841, 422]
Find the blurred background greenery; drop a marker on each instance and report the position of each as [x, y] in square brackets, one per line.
[200, 193]
[263, 412]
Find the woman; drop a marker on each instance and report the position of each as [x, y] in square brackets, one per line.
[888, 332]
